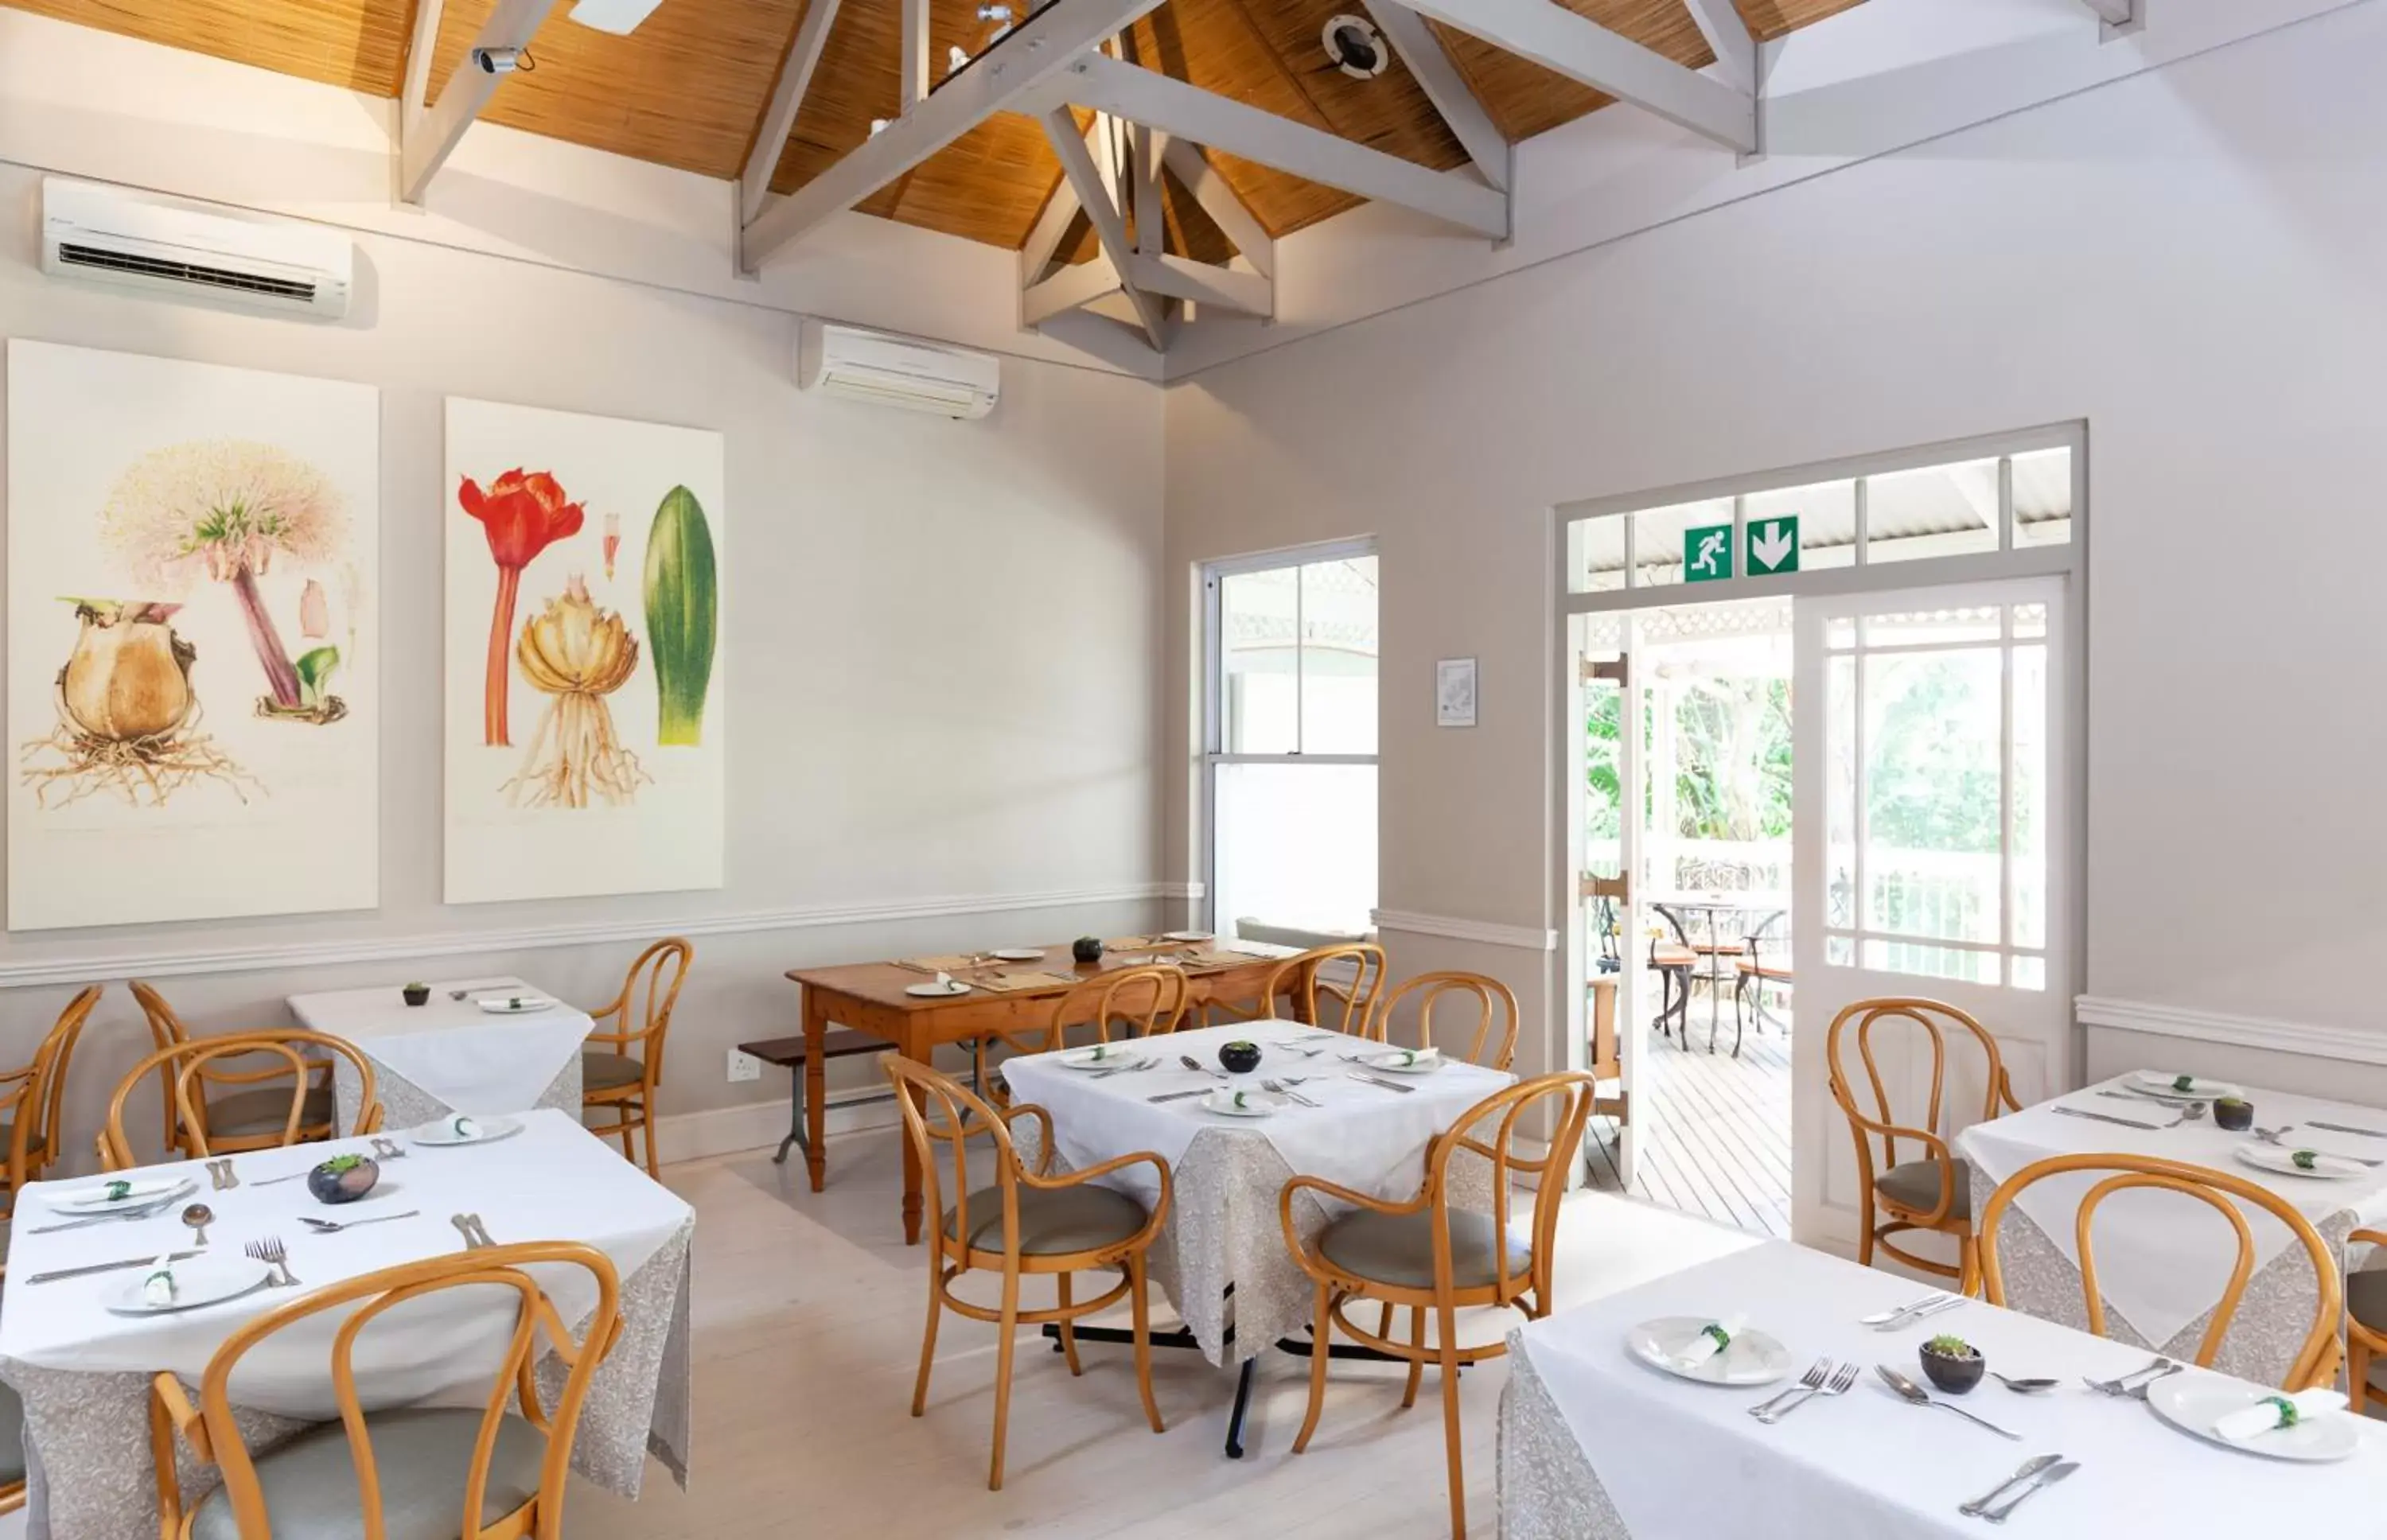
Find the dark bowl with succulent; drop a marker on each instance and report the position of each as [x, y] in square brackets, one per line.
[343, 1178]
[1952, 1364]
[2234, 1113]
[1240, 1057]
[1087, 949]
[417, 995]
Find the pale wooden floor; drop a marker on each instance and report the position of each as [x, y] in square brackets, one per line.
[807, 1317]
[1715, 1138]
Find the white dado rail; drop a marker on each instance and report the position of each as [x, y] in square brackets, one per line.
[1522, 936]
[82, 969]
[2351, 1044]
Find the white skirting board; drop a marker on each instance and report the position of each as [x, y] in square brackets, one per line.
[756, 1126]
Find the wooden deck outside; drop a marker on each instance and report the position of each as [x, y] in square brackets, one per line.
[1713, 1130]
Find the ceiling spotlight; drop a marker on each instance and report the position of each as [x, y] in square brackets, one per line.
[1353, 47]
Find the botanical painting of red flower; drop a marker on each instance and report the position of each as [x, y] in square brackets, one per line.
[521, 514]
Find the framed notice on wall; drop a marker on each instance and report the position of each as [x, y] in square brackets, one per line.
[1454, 692]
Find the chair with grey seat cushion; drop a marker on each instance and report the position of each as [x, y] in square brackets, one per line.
[283, 1107]
[2365, 1324]
[1430, 1257]
[1916, 1184]
[424, 1461]
[1027, 1222]
[611, 1077]
[31, 1102]
[243, 1108]
[12, 1451]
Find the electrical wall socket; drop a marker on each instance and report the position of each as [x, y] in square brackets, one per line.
[744, 1067]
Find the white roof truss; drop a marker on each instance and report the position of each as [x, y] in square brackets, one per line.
[428, 136]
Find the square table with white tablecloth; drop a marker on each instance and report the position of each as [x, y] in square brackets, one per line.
[1596, 1445]
[85, 1372]
[449, 1055]
[1228, 1172]
[2164, 1260]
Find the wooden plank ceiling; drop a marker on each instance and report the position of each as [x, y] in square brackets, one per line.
[689, 87]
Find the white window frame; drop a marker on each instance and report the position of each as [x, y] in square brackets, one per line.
[1214, 691]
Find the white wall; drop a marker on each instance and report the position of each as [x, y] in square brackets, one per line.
[2188, 257]
[941, 657]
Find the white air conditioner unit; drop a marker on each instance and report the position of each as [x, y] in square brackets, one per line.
[912, 376]
[136, 240]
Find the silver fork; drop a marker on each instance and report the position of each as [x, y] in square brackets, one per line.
[269, 1251]
[1817, 1372]
[1842, 1378]
[1137, 1068]
[2121, 1385]
[1283, 1089]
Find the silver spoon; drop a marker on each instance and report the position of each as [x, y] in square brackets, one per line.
[198, 1215]
[2023, 1387]
[1190, 1062]
[1910, 1391]
[330, 1227]
[1284, 1089]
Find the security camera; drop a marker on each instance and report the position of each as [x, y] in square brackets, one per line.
[497, 61]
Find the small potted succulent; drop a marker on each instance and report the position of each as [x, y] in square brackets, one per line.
[2234, 1112]
[343, 1178]
[1240, 1057]
[417, 995]
[1087, 949]
[1952, 1364]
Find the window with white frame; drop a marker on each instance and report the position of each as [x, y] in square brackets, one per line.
[1290, 752]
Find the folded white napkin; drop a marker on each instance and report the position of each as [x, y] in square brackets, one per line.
[1713, 1338]
[2190, 1085]
[463, 1127]
[159, 1288]
[1407, 1057]
[125, 1190]
[1100, 1052]
[2277, 1412]
[944, 980]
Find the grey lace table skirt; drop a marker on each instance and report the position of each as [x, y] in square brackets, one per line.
[89, 1473]
[406, 1106]
[2273, 1318]
[1547, 1488]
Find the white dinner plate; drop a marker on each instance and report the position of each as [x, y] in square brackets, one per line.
[2194, 1401]
[1402, 1061]
[1017, 953]
[1103, 1056]
[1187, 936]
[202, 1280]
[1245, 1104]
[1752, 1358]
[485, 1130]
[2283, 1159]
[2154, 1082]
[515, 1005]
[140, 1192]
[940, 991]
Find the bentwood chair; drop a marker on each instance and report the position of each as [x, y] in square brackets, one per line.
[250, 1119]
[30, 1099]
[1140, 1002]
[623, 1082]
[1027, 1223]
[12, 1451]
[2366, 1323]
[1765, 965]
[2315, 1362]
[1335, 987]
[1428, 1256]
[1933, 1192]
[186, 1069]
[485, 1472]
[1495, 1042]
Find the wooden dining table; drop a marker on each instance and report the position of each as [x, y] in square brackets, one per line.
[870, 998]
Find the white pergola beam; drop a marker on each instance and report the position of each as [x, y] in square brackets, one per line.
[417, 89]
[1078, 165]
[1250, 238]
[1158, 101]
[434, 138]
[786, 98]
[1201, 284]
[1072, 288]
[916, 66]
[1558, 39]
[1144, 177]
[1720, 23]
[1028, 56]
[2116, 13]
[1446, 88]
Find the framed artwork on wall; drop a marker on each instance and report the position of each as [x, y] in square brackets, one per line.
[584, 718]
[193, 702]
[1454, 692]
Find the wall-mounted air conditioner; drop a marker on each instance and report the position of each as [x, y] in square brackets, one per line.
[138, 240]
[912, 376]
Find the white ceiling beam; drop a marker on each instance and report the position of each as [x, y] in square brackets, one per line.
[1558, 39]
[423, 152]
[1027, 56]
[1158, 101]
[786, 98]
[2116, 13]
[914, 70]
[1072, 288]
[1446, 88]
[1078, 165]
[1250, 238]
[1720, 23]
[1144, 177]
[1201, 284]
[417, 89]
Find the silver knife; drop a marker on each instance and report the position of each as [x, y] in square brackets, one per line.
[494, 984]
[2045, 1479]
[105, 1266]
[2346, 1128]
[1178, 1095]
[2106, 1117]
[144, 1212]
[2030, 1468]
[1385, 1085]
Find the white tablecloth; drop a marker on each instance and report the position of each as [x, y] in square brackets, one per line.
[1645, 1456]
[83, 1371]
[1229, 1171]
[2162, 1259]
[451, 1055]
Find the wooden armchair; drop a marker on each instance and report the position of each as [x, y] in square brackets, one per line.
[30, 1100]
[240, 1120]
[394, 1471]
[1140, 1002]
[1335, 987]
[185, 1068]
[1029, 1222]
[1495, 1014]
[2365, 1324]
[619, 1080]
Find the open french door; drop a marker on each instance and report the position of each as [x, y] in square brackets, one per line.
[1607, 838]
[1933, 792]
